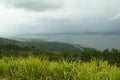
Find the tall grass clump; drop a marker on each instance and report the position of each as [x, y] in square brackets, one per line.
[34, 68]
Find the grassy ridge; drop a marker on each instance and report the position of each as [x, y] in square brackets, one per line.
[34, 68]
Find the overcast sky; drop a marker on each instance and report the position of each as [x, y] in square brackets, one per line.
[55, 16]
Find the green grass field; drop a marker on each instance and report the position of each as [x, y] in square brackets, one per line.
[34, 68]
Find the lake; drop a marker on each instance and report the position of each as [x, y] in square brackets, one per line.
[97, 41]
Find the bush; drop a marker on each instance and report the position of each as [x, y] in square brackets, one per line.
[34, 68]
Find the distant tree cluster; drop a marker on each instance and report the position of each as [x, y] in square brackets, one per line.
[112, 56]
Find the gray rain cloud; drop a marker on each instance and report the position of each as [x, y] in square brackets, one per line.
[34, 5]
[57, 16]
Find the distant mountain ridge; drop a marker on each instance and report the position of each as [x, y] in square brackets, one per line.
[28, 34]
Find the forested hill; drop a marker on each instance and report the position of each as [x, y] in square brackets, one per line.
[41, 46]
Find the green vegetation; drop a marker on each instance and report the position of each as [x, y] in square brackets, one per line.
[56, 61]
[41, 68]
[53, 47]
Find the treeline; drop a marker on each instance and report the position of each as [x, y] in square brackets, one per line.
[112, 56]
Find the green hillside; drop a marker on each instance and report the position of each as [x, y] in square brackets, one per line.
[38, 45]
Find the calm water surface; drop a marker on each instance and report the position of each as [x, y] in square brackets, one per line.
[99, 42]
